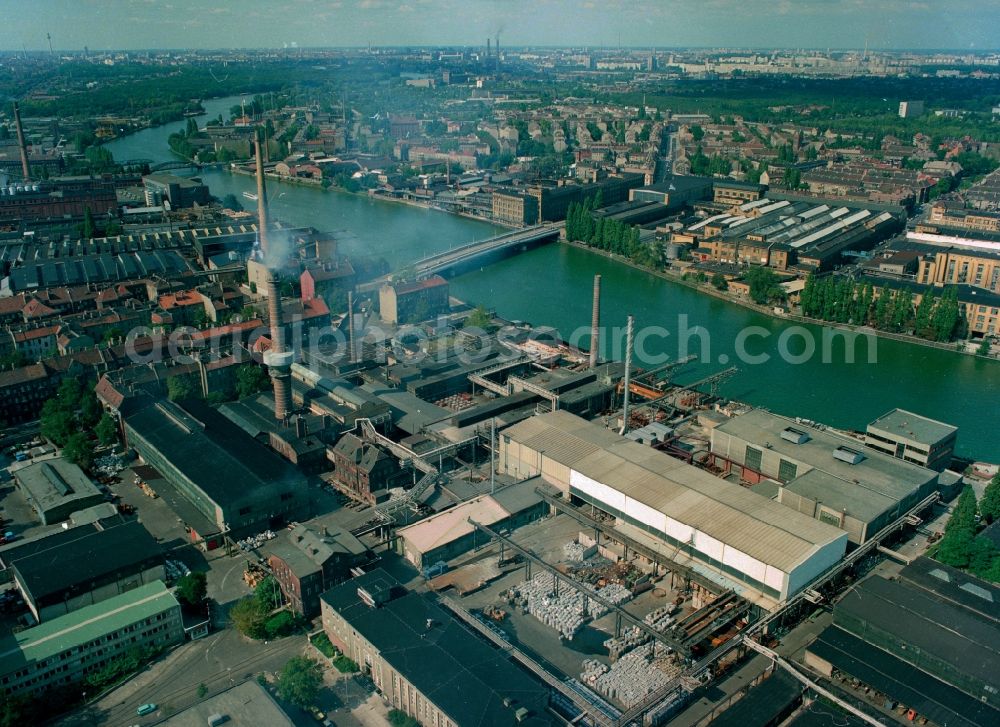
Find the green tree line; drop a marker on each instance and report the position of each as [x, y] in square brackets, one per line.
[961, 547]
[842, 300]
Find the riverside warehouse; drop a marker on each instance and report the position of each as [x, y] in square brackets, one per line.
[741, 540]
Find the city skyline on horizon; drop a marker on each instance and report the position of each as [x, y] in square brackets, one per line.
[889, 25]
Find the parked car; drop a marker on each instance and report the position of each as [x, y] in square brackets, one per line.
[145, 709]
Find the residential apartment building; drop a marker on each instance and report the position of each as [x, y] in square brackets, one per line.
[24, 390]
[66, 649]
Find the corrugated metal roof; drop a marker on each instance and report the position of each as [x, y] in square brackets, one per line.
[751, 523]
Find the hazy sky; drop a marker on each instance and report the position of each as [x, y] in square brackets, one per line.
[129, 24]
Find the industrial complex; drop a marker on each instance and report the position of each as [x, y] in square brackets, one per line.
[259, 473]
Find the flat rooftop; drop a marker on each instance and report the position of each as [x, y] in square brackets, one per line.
[464, 676]
[245, 705]
[906, 425]
[55, 482]
[941, 631]
[930, 697]
[210, 450]
[879, 474]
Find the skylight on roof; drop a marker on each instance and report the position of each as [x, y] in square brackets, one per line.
[941, 575]
[978, 591]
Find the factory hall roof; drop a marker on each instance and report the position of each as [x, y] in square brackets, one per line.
[932, 628]
[871, 483]
[75, 565]
[748, 522]
[462, 675]
[210, 450]
[452, 524]
[55, 482]
[951, 584]
[930, 697]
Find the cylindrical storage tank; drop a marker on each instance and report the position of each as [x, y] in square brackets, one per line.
[673, 251]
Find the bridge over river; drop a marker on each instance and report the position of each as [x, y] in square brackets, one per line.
[506, 244]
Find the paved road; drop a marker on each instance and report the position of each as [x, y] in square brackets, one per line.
[217, 661]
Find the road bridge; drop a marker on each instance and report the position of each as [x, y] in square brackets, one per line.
[508, 242]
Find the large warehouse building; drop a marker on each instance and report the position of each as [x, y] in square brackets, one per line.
[218, 478]
[426, 663]
[822, 474]
[740, 539]
[926, 640]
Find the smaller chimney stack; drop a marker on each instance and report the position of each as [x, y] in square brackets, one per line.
[25, 169]
[595, 323]
[628, 372]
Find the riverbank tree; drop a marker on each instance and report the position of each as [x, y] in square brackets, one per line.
[603, 233]
[843, 300]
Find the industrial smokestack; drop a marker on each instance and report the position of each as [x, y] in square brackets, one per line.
[487, 47]
[25, 169]
[595, 323]
[350, 326]
[628, 372]
[278, 360]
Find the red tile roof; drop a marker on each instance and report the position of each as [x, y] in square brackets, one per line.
[433, 281]
[34, 333]
[35, 308]
[180, 298]
[107, 392]
[23, 374]
[14, 304]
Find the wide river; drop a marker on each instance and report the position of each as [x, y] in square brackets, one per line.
[552, 286]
